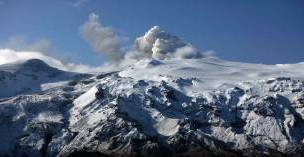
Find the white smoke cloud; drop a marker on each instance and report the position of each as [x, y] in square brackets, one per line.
[209, 53]
[159, 44]
[187, 52]
[10, 56]
[155, 44]
[101, 38]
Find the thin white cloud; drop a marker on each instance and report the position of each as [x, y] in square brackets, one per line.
[187, 52]
[19, 48]
[78, 3]
[22, 43]
[101, 38]
[209, 53]
[10, 56]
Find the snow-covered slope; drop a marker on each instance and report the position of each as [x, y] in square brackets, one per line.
[120, 114]
[167, 106]
[199, 75]
[29, 76]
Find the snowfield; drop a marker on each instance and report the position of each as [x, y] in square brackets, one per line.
[156, 106]
[208, 73]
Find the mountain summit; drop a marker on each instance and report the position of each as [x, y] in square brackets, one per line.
[28, 76]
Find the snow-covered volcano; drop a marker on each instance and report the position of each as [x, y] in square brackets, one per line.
[162, 105]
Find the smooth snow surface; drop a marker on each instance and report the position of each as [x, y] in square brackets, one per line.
[82, 101]
[46, 86]
[86, 98]
[197, 75]
[167, 126]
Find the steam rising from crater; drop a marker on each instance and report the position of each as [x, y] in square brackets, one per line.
[155, 43]
[159, 44]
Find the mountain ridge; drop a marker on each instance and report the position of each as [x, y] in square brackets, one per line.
[28, 76]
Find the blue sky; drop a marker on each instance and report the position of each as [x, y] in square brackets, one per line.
[259, 31]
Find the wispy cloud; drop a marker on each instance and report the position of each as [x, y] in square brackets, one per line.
[44, 46]
[19, 48]
[78, 3]
[10, 56]
[22, 43]
[101, 38]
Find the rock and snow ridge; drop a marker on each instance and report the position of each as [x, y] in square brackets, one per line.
[156, 107]
[29, 76]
